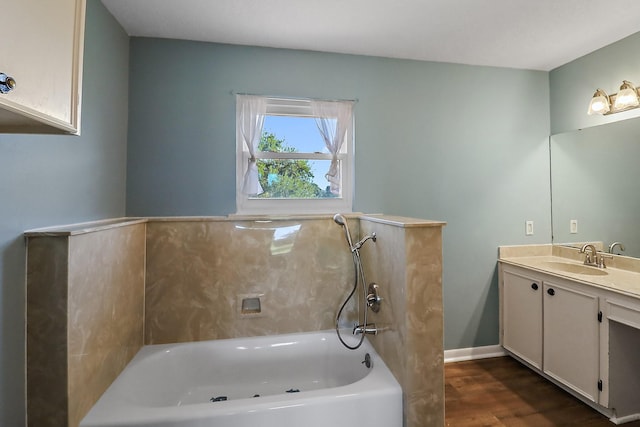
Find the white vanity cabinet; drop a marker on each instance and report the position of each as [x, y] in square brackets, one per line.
[577, 326]
[571, 337]
[554, 326]
[42, 52]
[522, 314]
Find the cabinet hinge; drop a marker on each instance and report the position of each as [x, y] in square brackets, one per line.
[600, 316]
[600, 385]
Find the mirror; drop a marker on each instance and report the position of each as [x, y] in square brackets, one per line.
[595, 180]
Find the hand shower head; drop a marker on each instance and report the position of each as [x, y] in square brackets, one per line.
[342, 221]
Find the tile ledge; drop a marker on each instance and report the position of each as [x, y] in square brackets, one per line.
[400, 221]
[105, 224]
[83, 227]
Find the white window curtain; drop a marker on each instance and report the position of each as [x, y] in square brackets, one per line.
[333, 118]
[250, 112]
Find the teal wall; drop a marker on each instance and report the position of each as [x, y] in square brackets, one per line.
[572, 85]
[48, 180]
[463, 144]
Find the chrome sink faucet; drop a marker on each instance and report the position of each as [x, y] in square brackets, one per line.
[613, 246]
[590, 258]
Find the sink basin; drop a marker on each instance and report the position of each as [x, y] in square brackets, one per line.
[568, 267]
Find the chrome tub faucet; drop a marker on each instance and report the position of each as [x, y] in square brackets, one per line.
[369, 328]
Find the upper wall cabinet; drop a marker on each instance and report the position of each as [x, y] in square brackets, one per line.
[42, 46]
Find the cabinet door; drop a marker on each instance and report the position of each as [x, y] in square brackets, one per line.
[571, 338]
[42, 50]
[522, 317]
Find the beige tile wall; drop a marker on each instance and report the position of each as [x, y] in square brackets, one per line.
[196, 271]
[106, 306]
[85, 304]
[47, 273]
[406, 262]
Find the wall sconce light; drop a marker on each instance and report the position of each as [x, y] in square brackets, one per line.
[625, 99]
[600, 103]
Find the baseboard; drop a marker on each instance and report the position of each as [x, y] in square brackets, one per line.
[625, 419]
[472, 353]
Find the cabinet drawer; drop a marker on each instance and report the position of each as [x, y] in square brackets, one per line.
[623, 313]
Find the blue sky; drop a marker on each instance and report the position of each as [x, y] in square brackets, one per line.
[301, 133]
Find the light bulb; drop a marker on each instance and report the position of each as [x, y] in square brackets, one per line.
[627, 97]
[599, 103]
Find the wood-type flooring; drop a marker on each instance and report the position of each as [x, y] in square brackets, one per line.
[502, 392]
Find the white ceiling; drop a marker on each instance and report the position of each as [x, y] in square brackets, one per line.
[526, 34]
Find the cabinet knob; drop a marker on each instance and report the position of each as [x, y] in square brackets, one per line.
[551, 292]
[534, 286]
[7, 84]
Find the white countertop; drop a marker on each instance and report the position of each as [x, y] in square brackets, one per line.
[622, 281]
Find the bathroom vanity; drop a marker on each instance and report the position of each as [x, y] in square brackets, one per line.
[577, 325]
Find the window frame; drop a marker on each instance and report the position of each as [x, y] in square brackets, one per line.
[294, 107]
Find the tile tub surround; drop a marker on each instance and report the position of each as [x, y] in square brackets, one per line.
[198, 269]
[194, 269]
[407, 265]
[85, 300]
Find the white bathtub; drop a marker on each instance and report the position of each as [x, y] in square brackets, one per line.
[171, 385]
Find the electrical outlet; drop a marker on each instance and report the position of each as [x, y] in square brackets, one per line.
[529, 228]
[573, 226]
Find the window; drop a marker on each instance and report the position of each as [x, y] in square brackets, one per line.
[293, 156]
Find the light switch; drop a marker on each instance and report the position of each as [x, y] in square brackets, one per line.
[573, 226]
[529, 228]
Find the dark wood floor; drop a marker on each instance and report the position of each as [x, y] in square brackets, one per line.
[502, 392]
